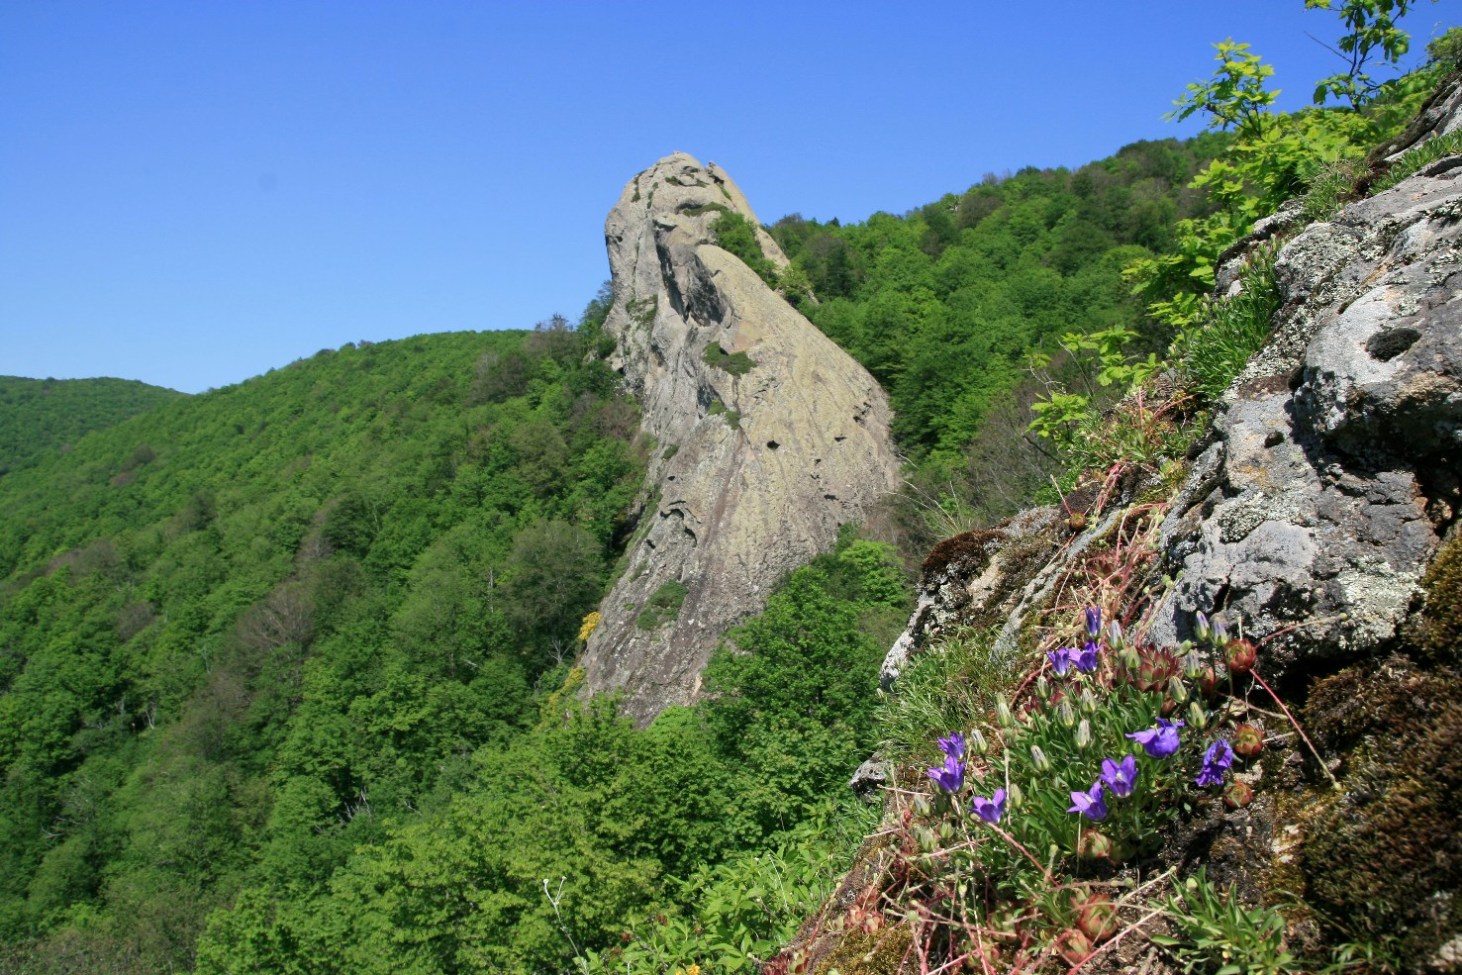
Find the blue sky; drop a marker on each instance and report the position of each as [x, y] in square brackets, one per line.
[192, 193]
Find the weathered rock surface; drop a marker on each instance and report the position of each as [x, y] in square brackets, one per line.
[1313, 516]
[769, 436]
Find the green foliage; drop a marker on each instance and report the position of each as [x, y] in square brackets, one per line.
[1437, 147]
[551, 848]
[39, 417]
[944, 305]
[663, 606]
[1214, 348]
[734, 233]
[1235, 96]
[737, 364]
[1371, 28]
[741, 911]
[247, 632]
[1222, 936]
[1446, 51]
[732, 417]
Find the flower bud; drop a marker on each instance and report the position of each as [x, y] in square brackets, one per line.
[1094, 846]
[977, 741]
[1087, 702]
[1003, 717]
[1239, 656]
[1192, 664]
[1130, 660]
[1043, 688]
[1178, 690]
[1201, 629]
[1039, 759]
[1197, 716]
[1248, 741]
[1208, 682]
[1066, 715]
[1218, 634]
[1014, 798]
[1238, 794]
[1115, 640]
[1083, 735]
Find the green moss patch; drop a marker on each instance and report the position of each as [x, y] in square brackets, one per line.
[664, 605]
[736, 363]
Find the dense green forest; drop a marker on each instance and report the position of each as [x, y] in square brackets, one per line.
[264, 649]
[38, 416]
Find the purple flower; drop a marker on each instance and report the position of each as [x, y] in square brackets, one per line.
[1093, 621]
[1090, 804]
[1086, 660]
[1159, 742]
[1061, 659]
[1216, 761]
[1120, 777]
[989, 809]
[954, 745]
[949, 776]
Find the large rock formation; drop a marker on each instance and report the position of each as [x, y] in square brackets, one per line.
[1313, 516]
[769, 437]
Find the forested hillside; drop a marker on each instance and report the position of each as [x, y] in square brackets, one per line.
[268, 619]
[39, 416]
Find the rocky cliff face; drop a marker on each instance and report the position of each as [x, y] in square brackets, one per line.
[769, 437]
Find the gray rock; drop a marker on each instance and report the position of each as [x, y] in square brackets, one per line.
[1312, 518]
[755, 469]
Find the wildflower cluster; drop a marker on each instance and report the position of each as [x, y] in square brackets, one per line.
[1089, 765]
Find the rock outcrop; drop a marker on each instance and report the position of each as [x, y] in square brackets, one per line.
[768, 436]
[1320, 515]
[1335, 470]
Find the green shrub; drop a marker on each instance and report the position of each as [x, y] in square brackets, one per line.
[1215, 348]
[664, 606]
[736, 363]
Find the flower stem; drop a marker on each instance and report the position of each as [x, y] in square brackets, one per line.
[1303, 737]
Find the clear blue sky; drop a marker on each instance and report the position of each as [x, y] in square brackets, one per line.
[192, 193]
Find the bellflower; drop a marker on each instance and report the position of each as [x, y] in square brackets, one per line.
[1216, 761]
[1159, 742]
[1093, 622]
[1086, 660]
[1061, 659]
[989, 809]
[953, 746]
[949, 776]
[1120, 777]
[1090, 803]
